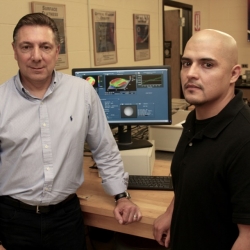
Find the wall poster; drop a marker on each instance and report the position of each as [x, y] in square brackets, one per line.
[58, 14]
[141, 37]
[104, 36]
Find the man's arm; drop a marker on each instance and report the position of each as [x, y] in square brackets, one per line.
[243, 240]
[161, 227]
[2, 248]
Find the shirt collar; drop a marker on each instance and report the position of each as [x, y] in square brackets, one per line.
[221, 120]
[25, 93]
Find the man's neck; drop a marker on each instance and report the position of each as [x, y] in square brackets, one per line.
[209, 110]
[36, 89]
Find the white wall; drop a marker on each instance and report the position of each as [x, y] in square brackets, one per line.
[227, 15]
[79, 31]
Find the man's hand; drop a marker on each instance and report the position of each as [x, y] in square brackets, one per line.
[161, 226]
[126, 211]
[161, 229]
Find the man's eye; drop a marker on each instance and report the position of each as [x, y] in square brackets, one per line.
[208, 65]
[26, 48]
[185, 64]
[46, 48]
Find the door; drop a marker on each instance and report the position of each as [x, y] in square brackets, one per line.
[172, 48]
[170, 32]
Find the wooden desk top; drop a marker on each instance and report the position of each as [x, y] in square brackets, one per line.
[98, 207]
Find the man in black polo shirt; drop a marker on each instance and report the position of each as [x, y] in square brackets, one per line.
[211, 164]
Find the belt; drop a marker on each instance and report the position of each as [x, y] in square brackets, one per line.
[37, 209]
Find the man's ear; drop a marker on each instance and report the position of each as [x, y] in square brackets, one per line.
[58, 51]
[59, 48]
[236, 71]
[14, 49]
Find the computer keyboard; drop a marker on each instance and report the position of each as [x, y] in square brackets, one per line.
[149, 182]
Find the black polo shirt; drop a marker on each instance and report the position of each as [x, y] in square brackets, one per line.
[211, 176]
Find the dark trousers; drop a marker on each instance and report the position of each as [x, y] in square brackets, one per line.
[62, 229]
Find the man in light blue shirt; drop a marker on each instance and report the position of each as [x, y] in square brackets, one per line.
[45, 119]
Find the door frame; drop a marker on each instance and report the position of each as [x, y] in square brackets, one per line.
[187, 13]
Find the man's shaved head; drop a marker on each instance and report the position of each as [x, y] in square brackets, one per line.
[226, 44]
[209, 71]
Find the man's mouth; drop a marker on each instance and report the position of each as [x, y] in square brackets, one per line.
[36, 68]
[191, 86]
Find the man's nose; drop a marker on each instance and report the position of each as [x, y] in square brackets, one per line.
[36, 54]
[192, 71]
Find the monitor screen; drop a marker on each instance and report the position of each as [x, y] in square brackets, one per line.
[131, 96]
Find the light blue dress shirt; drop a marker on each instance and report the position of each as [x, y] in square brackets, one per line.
[42, 141]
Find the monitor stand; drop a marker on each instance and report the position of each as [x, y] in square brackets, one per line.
[125, 141]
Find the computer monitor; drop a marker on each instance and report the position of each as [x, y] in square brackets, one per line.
[139, 95]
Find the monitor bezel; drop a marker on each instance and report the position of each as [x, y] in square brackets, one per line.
[125, 123]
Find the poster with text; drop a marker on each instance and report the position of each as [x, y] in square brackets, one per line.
[104, 36]
[58, 14]
[141, 36]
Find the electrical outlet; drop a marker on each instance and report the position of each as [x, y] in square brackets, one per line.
[245, 65]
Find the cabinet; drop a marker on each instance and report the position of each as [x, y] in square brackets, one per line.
[139, 161]
[166, 137]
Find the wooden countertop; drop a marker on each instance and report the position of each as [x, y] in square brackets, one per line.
[98, 207]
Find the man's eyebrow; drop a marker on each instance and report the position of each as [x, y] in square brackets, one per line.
[205, 59]
[25, 42]
[186, 58]
[28, 42]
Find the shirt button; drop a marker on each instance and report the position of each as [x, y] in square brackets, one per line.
[46, 146]
[190, 144]
[47, 168]
[44, 124]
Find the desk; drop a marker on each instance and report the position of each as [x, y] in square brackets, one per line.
[98, 207]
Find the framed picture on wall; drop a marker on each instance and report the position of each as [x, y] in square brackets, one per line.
[58, 14]
[141, 36]
[104, 37]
